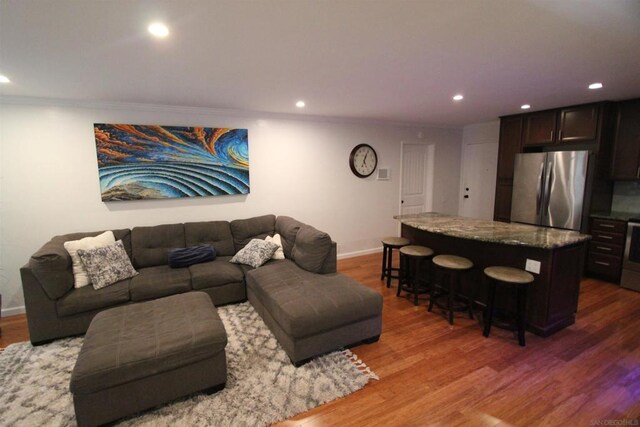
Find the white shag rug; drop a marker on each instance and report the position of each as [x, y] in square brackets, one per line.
[263, 387]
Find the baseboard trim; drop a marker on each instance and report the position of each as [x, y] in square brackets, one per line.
[12, 311]
[359, 253]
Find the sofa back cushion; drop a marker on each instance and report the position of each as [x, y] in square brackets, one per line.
[311, 248]
[51, 264]
[214, 233]
[258, 227]
[151, 245]
[287, 228]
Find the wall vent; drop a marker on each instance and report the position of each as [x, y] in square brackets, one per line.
[383, 174]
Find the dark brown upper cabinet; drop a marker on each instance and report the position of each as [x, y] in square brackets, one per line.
[625, 164]
[577, 124]
[540, 128]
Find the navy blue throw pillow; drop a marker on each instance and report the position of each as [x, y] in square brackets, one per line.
[184, 257]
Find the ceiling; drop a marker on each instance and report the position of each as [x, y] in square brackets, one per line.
[387, 60]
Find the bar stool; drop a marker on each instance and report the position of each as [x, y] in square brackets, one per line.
[510, 277]
[452, 267]
[410, 257]
[388, 245]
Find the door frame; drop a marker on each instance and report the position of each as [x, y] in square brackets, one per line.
[429, 169]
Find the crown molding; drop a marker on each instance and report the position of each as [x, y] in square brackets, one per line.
[162, 108]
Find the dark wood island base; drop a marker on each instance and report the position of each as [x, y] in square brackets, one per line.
[552, 301]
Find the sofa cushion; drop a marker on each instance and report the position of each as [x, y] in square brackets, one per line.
[311, 248]
[136, 341]
[215, 273]
[51, 264]
[87, 298]
[107, 265]
[214, 233]
[287, 228]
[258, 227]
[151, 245]
[159, 281]
[80, 274]
[305, 303]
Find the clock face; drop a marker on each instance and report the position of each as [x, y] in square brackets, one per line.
[363, 160]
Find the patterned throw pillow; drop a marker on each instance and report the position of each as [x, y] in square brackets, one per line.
[80, 275]
[107, 265]
[255, 253]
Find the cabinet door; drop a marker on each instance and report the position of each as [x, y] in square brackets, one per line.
[510, 136]
[539, 128]
[626, 148]
[502, 206]
[579, 124]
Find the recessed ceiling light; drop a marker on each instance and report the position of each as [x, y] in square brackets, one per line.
[595, 86]
[458, 97]
[158, 29]
[4, 79]
[525, 106]
[300, 104]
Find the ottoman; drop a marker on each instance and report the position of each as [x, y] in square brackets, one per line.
[142, 355]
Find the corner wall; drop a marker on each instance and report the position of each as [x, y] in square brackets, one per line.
[299, 167]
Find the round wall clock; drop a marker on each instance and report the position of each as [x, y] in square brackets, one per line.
[363, 160]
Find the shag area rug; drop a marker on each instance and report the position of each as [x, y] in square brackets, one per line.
[263, 387]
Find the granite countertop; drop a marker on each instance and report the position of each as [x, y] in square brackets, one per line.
[616, 215]
[492, 231]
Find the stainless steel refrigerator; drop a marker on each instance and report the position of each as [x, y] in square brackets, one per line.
[548, 188]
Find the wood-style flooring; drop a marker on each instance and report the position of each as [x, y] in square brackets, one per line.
[435, 374]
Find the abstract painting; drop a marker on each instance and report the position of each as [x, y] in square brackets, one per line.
[157, 162]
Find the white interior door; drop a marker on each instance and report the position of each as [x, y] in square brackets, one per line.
[479, 167]
[417, 178]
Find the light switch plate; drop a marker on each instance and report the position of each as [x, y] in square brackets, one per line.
[532, 266]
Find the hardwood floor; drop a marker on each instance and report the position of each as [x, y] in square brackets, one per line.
[432, 373]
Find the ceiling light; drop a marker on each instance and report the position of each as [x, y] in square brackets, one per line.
[525, 106]
[458, 97]
[595, 86]
[300, 104]
[158, 29]
[4, 79]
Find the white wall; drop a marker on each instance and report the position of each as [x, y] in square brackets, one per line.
[49, 177]
[487, 133]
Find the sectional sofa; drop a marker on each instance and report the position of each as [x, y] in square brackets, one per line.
[310, 307]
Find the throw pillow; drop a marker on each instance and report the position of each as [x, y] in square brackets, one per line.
[184, 257]
[311, 248]
[107, 265]
[279, 253]
[80, 275]
[255, 253]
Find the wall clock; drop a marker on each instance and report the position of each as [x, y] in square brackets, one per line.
[363, 160]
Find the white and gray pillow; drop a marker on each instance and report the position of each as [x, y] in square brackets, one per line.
[279, 253]
[80, 275]
[107, 265]
[255, 253]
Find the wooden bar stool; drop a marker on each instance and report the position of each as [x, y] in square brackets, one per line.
[410, 258]
[452, 267]
[511, 277]
[388, 245]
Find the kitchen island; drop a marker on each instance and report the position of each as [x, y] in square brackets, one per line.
[552, 300]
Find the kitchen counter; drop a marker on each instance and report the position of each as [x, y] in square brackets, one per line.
[492, 231]
[615, 215]
[556, 259]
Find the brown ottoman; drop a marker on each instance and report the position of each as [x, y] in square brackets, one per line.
[142, 355]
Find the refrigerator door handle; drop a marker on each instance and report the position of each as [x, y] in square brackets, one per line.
[540, 189]
[550, 179]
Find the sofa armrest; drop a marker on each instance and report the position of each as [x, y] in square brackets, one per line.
[51, 266]
[330, 264]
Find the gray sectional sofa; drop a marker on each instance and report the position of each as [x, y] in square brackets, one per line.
[310, 307]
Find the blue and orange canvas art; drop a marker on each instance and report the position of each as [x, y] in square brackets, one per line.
[157, 162]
